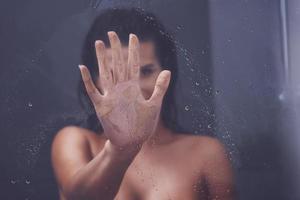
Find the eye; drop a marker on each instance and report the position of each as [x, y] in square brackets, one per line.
[146, 71]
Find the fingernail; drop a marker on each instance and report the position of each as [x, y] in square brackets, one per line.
[110, 33]
[168, 73]
[80, 66]
[130, 36]
[133, 36]
[133, 39]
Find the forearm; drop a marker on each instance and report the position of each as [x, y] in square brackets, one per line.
[102, 176]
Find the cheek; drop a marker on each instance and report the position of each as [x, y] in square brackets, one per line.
[147, 85]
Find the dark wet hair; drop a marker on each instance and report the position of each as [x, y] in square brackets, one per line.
[148, 28]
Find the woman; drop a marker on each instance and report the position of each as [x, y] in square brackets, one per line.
[137, 151]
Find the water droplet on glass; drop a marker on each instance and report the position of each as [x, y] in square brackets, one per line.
[161, 32]
[13, 181]
[197, 83]
[27, 181]
[179, 27]
[217, 92]
[29, 104]
[195, 187]
[281, 97]
[209, 126]
[187, 108]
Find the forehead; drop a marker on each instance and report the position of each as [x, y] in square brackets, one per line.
[147, 52]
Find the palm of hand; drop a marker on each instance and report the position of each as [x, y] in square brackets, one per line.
[126, 116]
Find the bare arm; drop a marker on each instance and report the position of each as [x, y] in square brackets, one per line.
[80, 177]
[218, 172]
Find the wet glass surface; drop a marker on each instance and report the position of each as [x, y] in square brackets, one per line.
[238, 80]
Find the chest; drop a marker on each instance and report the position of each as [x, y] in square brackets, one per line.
[162, 179]
[171, 173]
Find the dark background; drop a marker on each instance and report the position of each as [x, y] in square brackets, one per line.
[232, 84]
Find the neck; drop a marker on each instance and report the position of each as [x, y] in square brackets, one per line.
[162, 135]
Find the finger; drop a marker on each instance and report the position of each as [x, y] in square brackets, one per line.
[91, 89]
[117, 57]
[133, 57]
[105, 76]
[161, 86]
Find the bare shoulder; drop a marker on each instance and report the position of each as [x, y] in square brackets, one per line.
[204, 140]
[76, 135]
[68, 135]
[71, 149]
[68, 131]
[209, 155]
[206, 146]
[210, 144]
[212, 154]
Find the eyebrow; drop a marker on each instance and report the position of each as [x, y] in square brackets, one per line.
[148, 66]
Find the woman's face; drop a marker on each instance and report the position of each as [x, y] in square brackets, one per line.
[149, 69]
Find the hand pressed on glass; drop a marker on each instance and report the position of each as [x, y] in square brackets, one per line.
[128, 119]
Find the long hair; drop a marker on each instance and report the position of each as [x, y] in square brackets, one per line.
[148, 28]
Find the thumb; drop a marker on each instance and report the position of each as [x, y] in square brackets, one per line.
[161, 86]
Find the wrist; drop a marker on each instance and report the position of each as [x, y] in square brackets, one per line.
[121, 153]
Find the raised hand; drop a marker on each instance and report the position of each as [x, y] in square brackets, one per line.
[126, 116]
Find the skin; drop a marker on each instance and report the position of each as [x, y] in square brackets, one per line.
[137, 157]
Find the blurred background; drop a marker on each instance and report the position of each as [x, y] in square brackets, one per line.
[238, 81]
